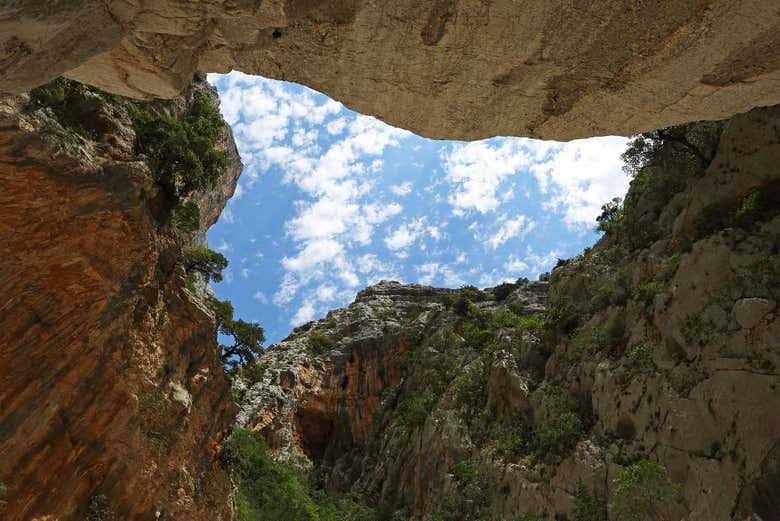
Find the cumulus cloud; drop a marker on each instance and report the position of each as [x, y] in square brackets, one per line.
[539, 263]
[402, 189]
[580, 176]
[509, 228]
[433, 271]
[476, 170]
[304, 314]
[407, 234]
[515, 266]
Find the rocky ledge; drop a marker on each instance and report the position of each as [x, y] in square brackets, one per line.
[457, 69]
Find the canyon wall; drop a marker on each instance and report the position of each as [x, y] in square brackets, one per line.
[458, 69]
[644, 377]
[112, 394]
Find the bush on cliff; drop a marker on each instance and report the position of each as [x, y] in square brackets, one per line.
[268, 490]
[207, 262]
[248, 337]
[640, 490]
[183, 152]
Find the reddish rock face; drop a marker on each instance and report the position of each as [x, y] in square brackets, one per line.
[335, 413]
[110, 383]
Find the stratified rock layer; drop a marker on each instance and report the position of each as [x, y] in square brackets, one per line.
[462, 69]
[112, 393]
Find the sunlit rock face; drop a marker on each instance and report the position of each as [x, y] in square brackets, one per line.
[457, 69]
[111, 388]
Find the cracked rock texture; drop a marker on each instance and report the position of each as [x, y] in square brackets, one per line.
[111, 386]
[462, 69]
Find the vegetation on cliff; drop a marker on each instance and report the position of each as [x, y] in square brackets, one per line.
[268, 490]
[184, 150]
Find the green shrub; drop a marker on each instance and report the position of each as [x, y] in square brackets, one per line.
[640, 356]
[639, 490]
[183, 152]
[465, 472]
[266, 490]
[646, 292]
[254, 371]
[476, 335]
[513, 439]
[152, 404]
[563, 423]
[601, 299]
[414, 408]
[473, 293]
[581, 344]
[186, 216]
[470, 386]
[3, 490]
[587, 506]
[614, 331]
[586, 342]
[248, 337]
[533, 323]
[758, 205]
[462, 305]
[319, 344]
[502, 291]
[558, 435]
[53, 93]
[206, 262]
[695, 330]
[504, 317]
[669, 267]
[611, 217]
[530, 517]
[562, 316]
[271, 491]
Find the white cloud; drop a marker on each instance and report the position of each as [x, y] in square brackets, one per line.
[580, 176]
[260, 297]
[405, 235]
[515, 266]
[223, 246]
[326, 292]
[336, 126]
[518, 227]
[427, 272]
[539, 263]
[287, 289]
[304, 314]
[402, 189]
[476, 171]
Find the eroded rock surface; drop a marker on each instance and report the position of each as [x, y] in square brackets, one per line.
[112, 392]
[461, 69]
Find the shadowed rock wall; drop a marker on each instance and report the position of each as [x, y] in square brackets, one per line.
[460, 69]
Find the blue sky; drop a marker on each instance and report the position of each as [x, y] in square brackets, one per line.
[331, 201]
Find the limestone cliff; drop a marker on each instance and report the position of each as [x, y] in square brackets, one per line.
[112, 393]
[442, 68]
[655, 365]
